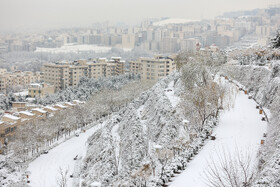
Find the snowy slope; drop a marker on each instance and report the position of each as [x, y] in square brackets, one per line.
[44, 170]
[169, 92]
[129, 138]
[240, 128]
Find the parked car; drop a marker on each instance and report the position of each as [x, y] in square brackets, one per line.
[45, 151]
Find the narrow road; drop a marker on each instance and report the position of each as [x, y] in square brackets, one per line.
[45, 169]
[239, 128]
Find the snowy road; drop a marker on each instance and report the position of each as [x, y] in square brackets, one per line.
[240, 128]
[44, 169]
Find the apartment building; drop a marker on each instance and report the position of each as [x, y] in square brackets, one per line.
[40, 90]
[67, 74]
[135, 67]
[101, 68]
[2, 71]
[18, 78]
[153, 68]
[120, 65]
[64, 74]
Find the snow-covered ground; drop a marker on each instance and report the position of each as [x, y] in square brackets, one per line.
[169, 92]
[44, 171]
[173, 21]
[71, 48]
[240, 128]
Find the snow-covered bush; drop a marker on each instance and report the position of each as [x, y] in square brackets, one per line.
[86, 88]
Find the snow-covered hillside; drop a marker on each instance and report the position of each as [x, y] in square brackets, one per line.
[128, 140]
[144, 143]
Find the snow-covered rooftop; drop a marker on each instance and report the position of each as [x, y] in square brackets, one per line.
[26, 113]
[51, 108]
[23, 93]
[68, 103]
[78, 101]
[11, 117]
[35, 84]
[39, 110]
[61, 106]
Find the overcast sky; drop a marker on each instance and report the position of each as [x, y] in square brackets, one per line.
[36, 14]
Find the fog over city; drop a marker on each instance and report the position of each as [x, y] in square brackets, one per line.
[139, 93]
[44, 14]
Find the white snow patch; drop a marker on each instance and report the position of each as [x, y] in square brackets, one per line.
[71, 48]
[23, 93]
[26, 113]
[116, 138]
[169, 92]
[39, 110]
[157, 146]
[11, 117]
[95, 184]
[139, 113]
[173, 21]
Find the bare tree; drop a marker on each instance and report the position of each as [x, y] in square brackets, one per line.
[63, 177]
[231, 170]
[164, 156]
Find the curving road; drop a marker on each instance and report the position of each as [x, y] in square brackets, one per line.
[44, 171]
[240, 128]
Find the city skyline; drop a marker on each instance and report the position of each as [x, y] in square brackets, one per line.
[41, 15]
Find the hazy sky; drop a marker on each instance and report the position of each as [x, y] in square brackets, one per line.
[42, 14]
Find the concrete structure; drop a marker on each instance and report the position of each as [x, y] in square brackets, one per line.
[26, 115]
[18, 78]
[153, 68]
[128, 41]
[67, 74]
[64, 74]
[18, 106]
[60, 107]
[2, 71]
[7, 130]
[50, 109]
[40, 112]
[40, 90]
[189, 45]
[263, 31]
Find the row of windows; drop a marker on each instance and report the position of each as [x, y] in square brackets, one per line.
[7, 130]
